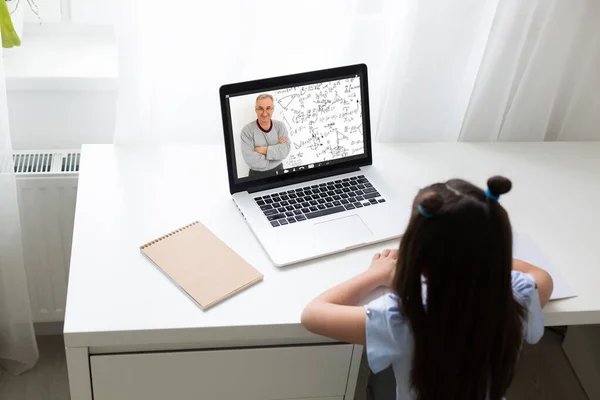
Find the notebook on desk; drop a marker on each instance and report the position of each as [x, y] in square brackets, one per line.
[201, 264]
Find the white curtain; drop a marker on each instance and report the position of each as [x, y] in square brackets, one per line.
[438, 70]
[540, 76]
[18, 349]
[432, 68]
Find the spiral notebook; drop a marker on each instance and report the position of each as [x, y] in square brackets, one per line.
[201, 264]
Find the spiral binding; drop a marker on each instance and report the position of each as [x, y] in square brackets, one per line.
[168, 235]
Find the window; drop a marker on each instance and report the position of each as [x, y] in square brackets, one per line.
[95, 12]
[85, 12]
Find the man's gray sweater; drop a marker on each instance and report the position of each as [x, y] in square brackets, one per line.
[254, 136]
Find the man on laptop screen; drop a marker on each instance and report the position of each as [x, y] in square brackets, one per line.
[265, 141]
[296, 128]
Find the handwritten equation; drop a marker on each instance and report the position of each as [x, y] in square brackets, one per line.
[324, 120]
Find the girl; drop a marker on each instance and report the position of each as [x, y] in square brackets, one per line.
[460, 306]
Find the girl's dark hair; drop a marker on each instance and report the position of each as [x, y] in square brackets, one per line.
[468, 332]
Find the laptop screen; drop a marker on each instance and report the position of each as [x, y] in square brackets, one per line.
[296, 129]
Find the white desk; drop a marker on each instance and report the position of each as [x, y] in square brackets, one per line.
[124, 319]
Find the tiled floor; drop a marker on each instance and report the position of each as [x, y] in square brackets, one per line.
[544, 373]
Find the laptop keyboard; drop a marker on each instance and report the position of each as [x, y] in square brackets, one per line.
[315, 201]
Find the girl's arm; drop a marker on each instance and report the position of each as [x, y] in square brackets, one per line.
[335, 313]
[543, 280]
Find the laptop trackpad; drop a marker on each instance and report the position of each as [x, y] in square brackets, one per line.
[345, 231]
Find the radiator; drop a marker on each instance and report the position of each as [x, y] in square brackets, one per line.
[46, 190]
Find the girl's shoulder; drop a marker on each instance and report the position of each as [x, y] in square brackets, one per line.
[524, 287]
[387, 332]
[387, 303]
[526, 293]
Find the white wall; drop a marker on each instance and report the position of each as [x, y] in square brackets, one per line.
[60, 119]
[242, 112]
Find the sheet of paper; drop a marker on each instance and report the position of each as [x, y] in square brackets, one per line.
[525, 249]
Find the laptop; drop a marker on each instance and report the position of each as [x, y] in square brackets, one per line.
[299, 162]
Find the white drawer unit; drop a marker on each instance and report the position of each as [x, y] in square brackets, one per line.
[274, 373]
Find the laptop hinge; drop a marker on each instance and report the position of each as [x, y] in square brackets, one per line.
[302, 179]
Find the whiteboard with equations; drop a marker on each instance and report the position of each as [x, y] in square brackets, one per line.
[324, 120]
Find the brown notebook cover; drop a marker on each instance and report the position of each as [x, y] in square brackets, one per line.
[201, 264]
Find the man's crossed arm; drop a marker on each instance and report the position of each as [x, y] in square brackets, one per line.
[263, 149]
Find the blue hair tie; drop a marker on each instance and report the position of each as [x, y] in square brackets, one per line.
[489, 195]
[424, 213]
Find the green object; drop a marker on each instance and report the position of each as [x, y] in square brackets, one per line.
[7, 30]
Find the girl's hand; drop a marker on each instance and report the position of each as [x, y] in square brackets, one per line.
[384, 265]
